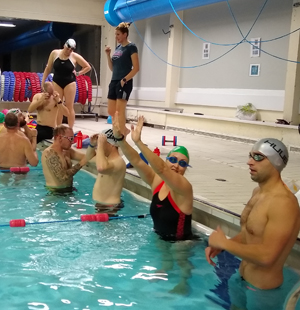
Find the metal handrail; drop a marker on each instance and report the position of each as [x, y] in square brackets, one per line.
[292, 299]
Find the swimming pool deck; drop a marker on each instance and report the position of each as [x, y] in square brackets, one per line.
[219, 173]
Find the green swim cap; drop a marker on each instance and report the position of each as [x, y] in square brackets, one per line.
[180, 149]
[2, 117]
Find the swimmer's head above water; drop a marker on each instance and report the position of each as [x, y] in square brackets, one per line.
[11, 121]
[182, 150]
[274, 150]
[110, 137]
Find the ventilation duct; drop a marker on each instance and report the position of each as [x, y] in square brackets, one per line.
[50, 31]
[117, 11]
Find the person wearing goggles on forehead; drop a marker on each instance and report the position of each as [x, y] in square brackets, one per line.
[56, 160]
[270, 224]
[64, 62]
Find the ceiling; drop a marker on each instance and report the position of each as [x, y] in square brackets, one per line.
[22, 25]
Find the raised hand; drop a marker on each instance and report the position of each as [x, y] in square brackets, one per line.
[107, 50]
[93, 139]
[102, 139]
[137, 131]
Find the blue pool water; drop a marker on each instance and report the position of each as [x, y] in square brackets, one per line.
[90, 265]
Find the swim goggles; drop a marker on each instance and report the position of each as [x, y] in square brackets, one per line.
[71, 139]
[71, 47]
[257, 157]
[174, 160]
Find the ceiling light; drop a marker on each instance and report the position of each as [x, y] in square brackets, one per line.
[7, 25]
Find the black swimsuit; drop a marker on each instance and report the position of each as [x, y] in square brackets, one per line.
[63, 72]
[169, 222]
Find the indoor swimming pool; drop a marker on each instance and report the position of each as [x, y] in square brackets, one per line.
[90, 265]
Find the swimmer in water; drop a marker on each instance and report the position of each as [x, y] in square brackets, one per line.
[270, 224]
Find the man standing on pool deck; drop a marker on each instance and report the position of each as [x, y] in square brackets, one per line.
[48, 105]
[111, 173]
[15, 149]
[270, 224]
[56, 160]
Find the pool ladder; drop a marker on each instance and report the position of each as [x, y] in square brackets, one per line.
[292, 298]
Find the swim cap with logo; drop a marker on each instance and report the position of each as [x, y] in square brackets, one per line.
[71, 43]
[110, 137]
[182, 150]
[274, 150]
[15, 111]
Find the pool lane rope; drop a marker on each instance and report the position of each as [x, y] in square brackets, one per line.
[98, 217]
[20, 169]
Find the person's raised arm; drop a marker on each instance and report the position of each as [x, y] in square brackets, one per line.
[109, 61]
[81, 157]
[37, 101]
[146, 173]
[104, 166]
[30, 154]
[278, 232]
[60, 104]
[85, 66]
[54, 164]
[49, 66]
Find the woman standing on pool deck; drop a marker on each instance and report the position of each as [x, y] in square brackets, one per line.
[64, 62]
[124, 65]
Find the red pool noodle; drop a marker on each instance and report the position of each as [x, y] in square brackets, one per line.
[99, 217]
[17, 223]
[102, 217]
[19, 169]
[88, 218]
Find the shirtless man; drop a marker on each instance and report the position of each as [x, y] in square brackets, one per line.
[47, 104]
[270, 225]
[15, 149]
[24, 130]
[56, 160]
[112, 168]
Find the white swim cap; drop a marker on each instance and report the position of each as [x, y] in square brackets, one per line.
[274, 150]
[71, 44]
[110, 137]
[15, 111]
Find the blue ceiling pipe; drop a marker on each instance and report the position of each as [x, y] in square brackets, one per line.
[117, 11]
[50, 31]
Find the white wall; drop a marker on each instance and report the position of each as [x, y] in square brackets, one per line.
[225, 82]
[69, 11]
[215, 23]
